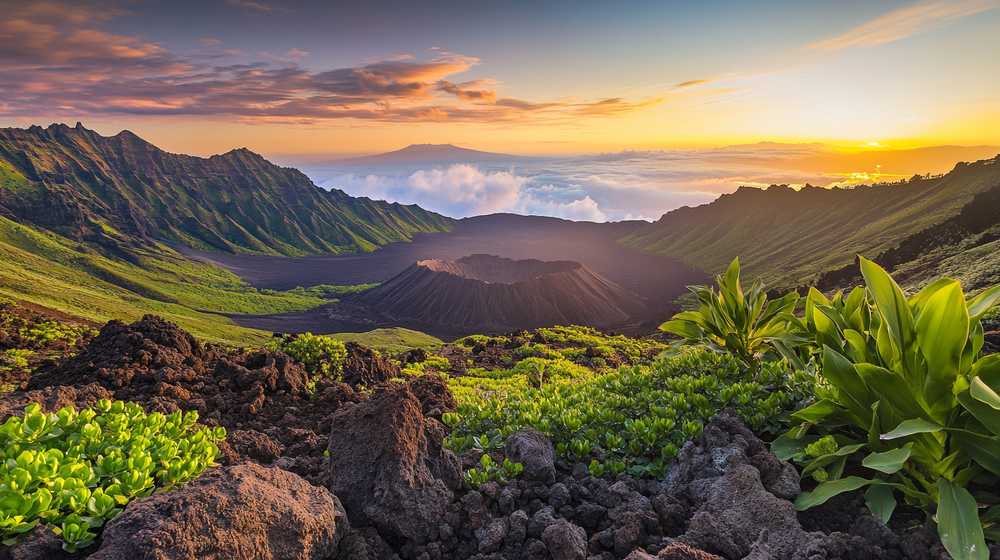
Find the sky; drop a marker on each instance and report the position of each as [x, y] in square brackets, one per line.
[313, 80]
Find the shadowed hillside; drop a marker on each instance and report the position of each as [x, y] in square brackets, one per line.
[788, 237]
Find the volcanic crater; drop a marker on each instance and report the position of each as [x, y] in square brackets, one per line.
[495, 293]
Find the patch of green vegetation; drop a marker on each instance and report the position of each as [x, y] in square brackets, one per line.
[905, 406]
[392, 340]
[321, 355]
[632, 419]
[76, 470]
[331, 291]
[10, 178]
[584, 346]
[49, 270]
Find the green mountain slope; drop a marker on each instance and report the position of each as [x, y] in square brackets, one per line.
[47, 269]
[789, 238]
[86, 186]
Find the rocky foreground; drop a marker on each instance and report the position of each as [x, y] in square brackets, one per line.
[358, 471]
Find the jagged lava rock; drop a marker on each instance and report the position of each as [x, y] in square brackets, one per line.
[234, 513]
[389, 466]
[534, 450]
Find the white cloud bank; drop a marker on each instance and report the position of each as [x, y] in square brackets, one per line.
[626, 185]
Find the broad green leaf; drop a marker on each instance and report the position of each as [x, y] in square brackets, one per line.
[982, 392]
[980, 304]
[918, 301]
[912, 426]
[682, 328]
[827, 490]
[840, 372]
[880, 501]
[987, 415]
[817, 411]
[984, 450]
[786, 447]
[889, 462]
[958, 523]
[824, 460]
[942, 332]
[987, 368]
[890, 303]
[892, 389]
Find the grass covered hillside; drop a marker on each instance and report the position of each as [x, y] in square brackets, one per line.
[51, 271]
[87, 186]
[788, 237]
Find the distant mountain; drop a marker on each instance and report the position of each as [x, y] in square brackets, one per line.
[428, 153]
[80, 184]
[790, 238]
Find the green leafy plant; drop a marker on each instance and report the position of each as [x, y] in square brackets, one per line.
[746, 325]
[908, 394]
[632, 419]
[76, 470]
[490, 470]
[320, 355]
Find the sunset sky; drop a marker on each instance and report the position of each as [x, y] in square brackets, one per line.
[287, 78]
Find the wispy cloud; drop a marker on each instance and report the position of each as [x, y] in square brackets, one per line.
[904, 22]
[691, 83]
[251, 5]
[56, 59]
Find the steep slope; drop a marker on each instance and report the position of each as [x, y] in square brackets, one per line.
[965, 246]
[87, 186]
[45, 269]
[788, 237]
[492, 293]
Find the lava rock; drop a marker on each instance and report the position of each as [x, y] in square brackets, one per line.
[240, 512]
[533, 450]
[565, 541]
[389, 466]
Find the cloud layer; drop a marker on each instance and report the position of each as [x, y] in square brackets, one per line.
[58, 59]
[628, 185]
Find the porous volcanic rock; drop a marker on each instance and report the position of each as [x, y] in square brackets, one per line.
[496, 294]
[242, 512]
[365, 366]
[388, 465]
[732, 484]
[261, 397]
[535, 452]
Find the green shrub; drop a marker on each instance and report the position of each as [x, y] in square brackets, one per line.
[632, 419]
[745, 325]
[910, 393]
[76, 470]
[490, 470]
[14, 359]
[321, 355]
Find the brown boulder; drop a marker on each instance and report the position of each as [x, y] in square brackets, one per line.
[233, 513]
[364, 366]
[388, 465]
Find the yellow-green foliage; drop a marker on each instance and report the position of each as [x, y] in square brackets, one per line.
[321, 355]
[76, 470]
[58, 273]
[634, 418]
[747, 325]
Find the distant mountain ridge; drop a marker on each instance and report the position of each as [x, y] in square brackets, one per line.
[81, 184]
[789, 238]
[428, 153]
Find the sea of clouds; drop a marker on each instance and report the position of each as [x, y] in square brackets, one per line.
[602, 187]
